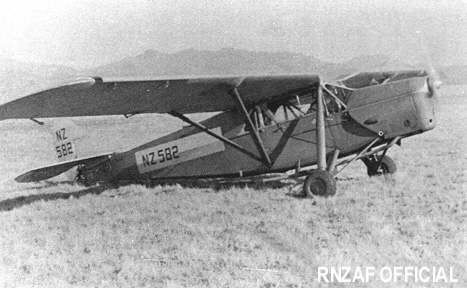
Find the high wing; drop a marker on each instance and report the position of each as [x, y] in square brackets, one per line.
[97, 96]
[49, 171]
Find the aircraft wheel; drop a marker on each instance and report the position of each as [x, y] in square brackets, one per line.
[387, 167]
[319, 183]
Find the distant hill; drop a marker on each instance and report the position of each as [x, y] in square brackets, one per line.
[18, 78]
[225, 61]
[230, 61]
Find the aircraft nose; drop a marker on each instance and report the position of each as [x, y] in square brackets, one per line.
[426, 102]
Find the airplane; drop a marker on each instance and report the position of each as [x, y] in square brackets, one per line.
[294, 125]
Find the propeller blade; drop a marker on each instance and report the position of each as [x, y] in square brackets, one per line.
[434, 80]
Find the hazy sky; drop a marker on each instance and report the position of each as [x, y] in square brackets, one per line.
[88, 33]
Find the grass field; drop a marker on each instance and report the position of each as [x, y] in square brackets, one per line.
[61, 235]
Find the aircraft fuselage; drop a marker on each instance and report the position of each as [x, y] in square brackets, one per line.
[400, 108]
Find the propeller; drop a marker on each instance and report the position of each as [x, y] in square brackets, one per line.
[434, 80]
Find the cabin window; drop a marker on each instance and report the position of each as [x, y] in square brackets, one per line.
[286, 113]
[340, 92]
[263, 116]
[274, 113]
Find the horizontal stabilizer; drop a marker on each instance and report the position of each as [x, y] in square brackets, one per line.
[50, 171]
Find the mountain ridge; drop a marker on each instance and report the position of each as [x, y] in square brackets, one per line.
[19, 78]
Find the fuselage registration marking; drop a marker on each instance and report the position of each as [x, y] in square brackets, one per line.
[178, 151]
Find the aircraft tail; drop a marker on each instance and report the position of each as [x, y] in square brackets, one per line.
[49, 171]
[69, 147]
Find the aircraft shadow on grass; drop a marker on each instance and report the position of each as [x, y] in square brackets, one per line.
[20, 201]
[16, 202]
[12, 203]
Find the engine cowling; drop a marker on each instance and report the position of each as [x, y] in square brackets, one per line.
[395, 108]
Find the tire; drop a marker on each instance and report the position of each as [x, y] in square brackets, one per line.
[387, 167]
[319, 183]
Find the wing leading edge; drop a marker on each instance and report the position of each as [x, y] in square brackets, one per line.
[97, 96]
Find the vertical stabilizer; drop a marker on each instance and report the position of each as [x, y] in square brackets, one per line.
[67, 137]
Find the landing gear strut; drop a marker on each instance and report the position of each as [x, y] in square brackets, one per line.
[321, 182]
[379, 165]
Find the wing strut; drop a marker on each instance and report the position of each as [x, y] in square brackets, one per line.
[320, 130]
[36, 121]
[253, 131]
[215, 135]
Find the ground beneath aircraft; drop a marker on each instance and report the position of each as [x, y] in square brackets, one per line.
[60, 235]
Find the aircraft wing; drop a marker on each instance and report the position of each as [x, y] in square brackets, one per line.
[97, 96]
[49, 171]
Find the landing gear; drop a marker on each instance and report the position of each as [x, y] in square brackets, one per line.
[379, 165]
[319, 183]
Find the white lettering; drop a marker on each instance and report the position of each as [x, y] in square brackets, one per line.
[358, 275]
[408, 271]
[424, 279]
[322, 274]
[335, 276]
[406, 274]
[344, 278]
[397, 273]
[440, 276]
[451, 276]
[369, 271]
[385, 274]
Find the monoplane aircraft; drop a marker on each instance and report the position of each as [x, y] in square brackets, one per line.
[294, 124]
